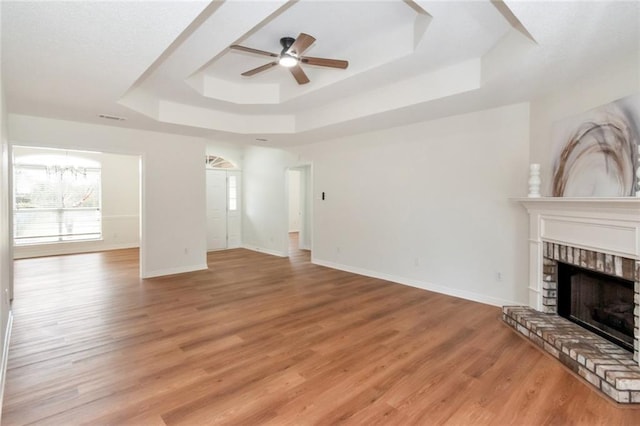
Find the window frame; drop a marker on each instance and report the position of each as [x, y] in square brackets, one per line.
[60, 237]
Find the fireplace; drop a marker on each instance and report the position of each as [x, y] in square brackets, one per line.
[584, 289]
[598, 302]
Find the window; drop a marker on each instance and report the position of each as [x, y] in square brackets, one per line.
[233, 193]
[215, 162]
[56, 198]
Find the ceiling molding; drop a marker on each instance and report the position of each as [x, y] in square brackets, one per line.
[512, 19]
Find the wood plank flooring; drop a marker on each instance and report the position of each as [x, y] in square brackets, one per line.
[258, 339]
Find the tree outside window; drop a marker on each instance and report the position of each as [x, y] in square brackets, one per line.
[56, 198]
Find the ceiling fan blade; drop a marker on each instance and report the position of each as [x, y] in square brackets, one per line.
[302, 43]
[259, 69]
[324, 62]
[252, 50]
[299, 75]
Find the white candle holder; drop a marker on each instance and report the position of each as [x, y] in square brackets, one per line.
[534, 180]
[638, 174]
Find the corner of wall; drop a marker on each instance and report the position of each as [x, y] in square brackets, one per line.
[6, 260]
[265, 250]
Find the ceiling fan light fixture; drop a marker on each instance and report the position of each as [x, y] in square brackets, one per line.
[292, 57]
[288, 61]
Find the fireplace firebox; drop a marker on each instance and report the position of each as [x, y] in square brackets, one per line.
[598, 302]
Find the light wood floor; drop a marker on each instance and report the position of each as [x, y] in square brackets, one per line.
[259, 339]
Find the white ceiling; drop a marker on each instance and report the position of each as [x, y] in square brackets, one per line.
[166, 66]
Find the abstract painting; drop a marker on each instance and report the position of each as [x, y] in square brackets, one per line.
[596, 153]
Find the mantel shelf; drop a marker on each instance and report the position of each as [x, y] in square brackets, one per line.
[578, 199]
[629, 204]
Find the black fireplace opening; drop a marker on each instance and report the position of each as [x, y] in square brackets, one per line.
[598, 302]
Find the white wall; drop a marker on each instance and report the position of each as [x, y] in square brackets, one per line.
[173, 184]
[306, 207]
[120, 206]
[616, 80]
[428, 204]
[264, 226]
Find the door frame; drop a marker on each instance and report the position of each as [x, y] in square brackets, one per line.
[306, 204]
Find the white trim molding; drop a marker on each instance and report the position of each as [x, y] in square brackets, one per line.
[175, 271]
[423, 285]
[265, 250]
[5, 359]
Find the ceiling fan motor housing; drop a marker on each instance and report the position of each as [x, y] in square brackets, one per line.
[286, 43]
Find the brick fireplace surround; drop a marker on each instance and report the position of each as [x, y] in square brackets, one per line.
[599, 234]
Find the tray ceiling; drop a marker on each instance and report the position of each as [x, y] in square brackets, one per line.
[166, 66]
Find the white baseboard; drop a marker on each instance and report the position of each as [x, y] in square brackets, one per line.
[5, 359]
[122, 246]
[174, 271]
[24, 252]
[463, 294]
[265, 251]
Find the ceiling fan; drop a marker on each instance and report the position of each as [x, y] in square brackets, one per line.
[291, 57]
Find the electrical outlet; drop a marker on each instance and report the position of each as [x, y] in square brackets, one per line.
[498, 276]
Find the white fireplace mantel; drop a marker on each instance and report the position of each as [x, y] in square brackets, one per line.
[607, 225]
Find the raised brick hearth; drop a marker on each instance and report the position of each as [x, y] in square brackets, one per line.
[600, 362]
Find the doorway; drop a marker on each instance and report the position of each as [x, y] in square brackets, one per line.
[299, 207]
[70, 202]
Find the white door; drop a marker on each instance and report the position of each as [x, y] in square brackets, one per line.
[234, 220]
[216, 209]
